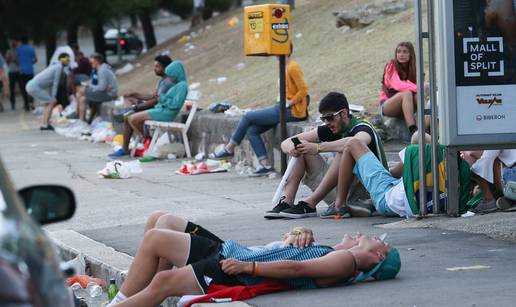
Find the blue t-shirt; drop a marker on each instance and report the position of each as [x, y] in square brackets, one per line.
[26, 55]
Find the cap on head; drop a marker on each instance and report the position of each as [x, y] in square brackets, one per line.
[388, 268]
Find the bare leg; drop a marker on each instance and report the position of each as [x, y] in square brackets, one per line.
[157, 243]
[81, 108]
[152, 220]
[305, 163]
[353, 148]
[136, 121]
[128, 132]
[485, 187]
[175, 282]
[328, 182]
[403, 105]
[47, 112]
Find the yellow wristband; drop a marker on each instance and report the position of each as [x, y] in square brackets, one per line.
[318, 148]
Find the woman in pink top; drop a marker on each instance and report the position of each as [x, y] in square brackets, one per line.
[398, 97]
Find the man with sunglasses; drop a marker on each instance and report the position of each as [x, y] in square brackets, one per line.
[314, 170]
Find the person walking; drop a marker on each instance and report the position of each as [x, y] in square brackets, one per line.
[13, 68]
[27, 58]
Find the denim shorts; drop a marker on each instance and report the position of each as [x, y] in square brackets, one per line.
[376, 179]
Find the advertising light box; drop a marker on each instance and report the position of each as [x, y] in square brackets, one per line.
[477, 72]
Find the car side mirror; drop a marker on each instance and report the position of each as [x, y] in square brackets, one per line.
[48, 203]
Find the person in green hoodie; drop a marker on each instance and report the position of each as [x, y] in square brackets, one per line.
[169, 103]
[321, 177]
[395, 192]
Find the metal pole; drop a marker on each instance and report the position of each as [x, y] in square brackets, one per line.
[452, 177]
[433, 106]
[119, 36]
[283, 101]
[420, 107]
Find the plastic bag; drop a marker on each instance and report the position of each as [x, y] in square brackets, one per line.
[120, 170]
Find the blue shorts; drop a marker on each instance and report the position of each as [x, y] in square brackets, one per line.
[382, 102]
[162, 115]
[376, 179]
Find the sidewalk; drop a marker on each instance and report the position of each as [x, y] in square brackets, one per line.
[108, 224]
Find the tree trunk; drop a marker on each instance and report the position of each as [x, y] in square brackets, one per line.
[134, 21]
[72, 36]
[50, 46]
[98, 38]
[4, 44]
[148, 29]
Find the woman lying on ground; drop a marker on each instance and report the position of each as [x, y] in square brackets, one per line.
[177, 257]
[399, 90]
[254, 123]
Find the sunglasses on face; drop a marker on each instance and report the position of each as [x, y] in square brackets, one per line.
[330, 117]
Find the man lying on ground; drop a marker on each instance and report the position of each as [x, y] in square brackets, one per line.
[199, 257]
[339, 127]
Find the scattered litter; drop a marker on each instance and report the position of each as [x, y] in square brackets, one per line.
[119, 101]
[84, 280]
[465, 268]
[137, 65]
[243, 168]
[272, 175]
[194, 86]
[208, 27]
[171, 157]
[233, 21]
[120, 170]
[299, 35]
[193, 95]
[199, 156]
[193, 34]
[383, 236]
[411, 249]
[369, 31]
[125, 69]
[50, 153]
[221, 80]
[236, 111]
[444, 233]
[34, 145]
[213, 166]
[189, 47]
[219, 107]
[165, 52]
[240, 66]
[184, 39]
[468, 214]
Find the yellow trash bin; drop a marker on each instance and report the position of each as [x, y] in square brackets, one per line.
[267, 29]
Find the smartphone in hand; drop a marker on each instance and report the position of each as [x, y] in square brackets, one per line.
[296, 141]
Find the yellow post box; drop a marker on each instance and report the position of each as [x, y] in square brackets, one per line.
[267, 29]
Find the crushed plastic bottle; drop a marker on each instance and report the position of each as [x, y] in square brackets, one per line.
[94, 290]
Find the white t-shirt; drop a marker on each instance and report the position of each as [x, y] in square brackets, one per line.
[396, 198]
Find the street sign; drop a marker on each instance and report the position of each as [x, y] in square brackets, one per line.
[477, 72]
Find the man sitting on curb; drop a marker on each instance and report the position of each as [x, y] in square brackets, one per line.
[178, 257]
[140, 102]
[103, 87]
[340, 127]
[396, 192]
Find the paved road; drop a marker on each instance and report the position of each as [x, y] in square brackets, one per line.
[113, 212]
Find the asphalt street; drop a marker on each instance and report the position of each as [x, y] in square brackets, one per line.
[232, 205]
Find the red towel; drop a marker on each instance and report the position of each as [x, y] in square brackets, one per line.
[240, 293]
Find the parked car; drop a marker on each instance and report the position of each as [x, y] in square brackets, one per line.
[129, 42]
[30, 274]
